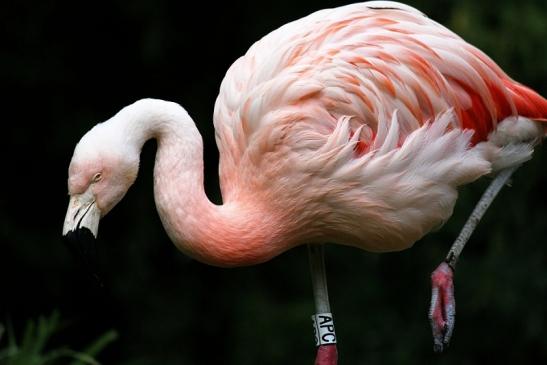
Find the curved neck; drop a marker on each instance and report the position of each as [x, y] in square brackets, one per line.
[233, 234]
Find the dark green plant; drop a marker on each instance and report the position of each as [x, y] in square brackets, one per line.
[31, 349]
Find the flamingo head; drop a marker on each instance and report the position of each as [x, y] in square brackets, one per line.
[103, 167]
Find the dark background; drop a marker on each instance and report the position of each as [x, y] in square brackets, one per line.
[65, 66]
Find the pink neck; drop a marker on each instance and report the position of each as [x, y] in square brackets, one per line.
[233, 234]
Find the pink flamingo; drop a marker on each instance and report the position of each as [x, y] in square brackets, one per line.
[353, 125]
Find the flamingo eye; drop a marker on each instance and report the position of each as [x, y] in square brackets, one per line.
[97, 177]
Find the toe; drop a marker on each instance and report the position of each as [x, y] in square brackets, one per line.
[442, 312]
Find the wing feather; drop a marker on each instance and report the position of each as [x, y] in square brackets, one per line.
[382, 69]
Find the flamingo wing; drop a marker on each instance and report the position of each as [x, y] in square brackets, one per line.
[352, 84]
[366, 61]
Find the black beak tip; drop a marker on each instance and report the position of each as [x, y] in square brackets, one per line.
[82, 244]
[81, 240]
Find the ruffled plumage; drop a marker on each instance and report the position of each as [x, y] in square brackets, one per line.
[364, 119]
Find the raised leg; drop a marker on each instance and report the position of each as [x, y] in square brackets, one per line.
[323, 324]
[442, 312]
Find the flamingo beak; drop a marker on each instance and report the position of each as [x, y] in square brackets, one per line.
[82, 215]
[81, 227]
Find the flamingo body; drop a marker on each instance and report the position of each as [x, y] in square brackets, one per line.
[353, 125]
[314, 102]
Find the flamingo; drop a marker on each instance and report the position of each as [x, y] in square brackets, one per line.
[354, 125]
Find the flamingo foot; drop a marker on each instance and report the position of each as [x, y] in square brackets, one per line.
[442, 312]
[326, 355]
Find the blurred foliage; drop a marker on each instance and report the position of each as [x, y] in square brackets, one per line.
[32, 348]
[65, 66]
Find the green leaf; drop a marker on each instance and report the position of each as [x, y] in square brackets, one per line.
[31, 350]
[45, 330]
[81, 358]
[98, 345]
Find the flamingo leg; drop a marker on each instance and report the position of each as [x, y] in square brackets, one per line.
[442, 311]
[325, 337]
